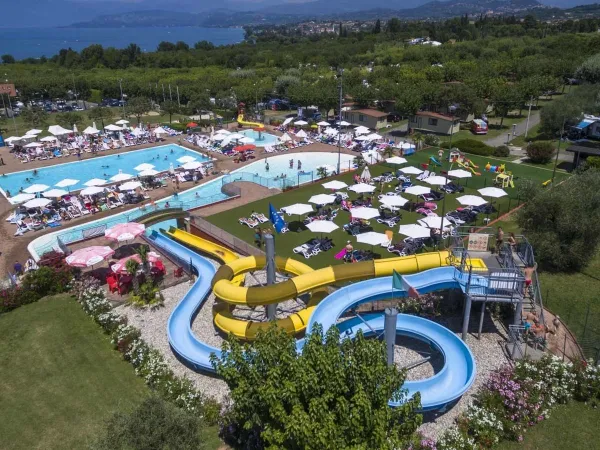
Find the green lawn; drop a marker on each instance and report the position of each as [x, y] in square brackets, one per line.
[572, 426]
[494, 129]
[61, 378]
[228, 220]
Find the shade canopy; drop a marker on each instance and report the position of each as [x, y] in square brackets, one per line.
[122, 122]
[91, 190]
[335, 185]
[361, 188]
[143, 166]
[33, 131]
[322, 199]
[121, 177]
[322, 226]
[34, 144]
[89, 256]
[112, 127]
[130, 186]
[300, 122]
[95, 182]
[90, 131]
[394, 200]
[415, 231]
[436, 181]
[396, 160]
[57, 130]
[297, 209]
[125, 231]
[35, 188]
[66, 182]
[471, 200]
[301, 134]
[374, 137]
[364, 212]
[372, 238]
[55, 193]
[186, 159]
[48, 139]
[459, 173]
[411, 170]
[417, 190]
[285, 138]
[148, 173]
[20, 198]
[492, 192]
[37, 203]
[322, 123]
[192, 165]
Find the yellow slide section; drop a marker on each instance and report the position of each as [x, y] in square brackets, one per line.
[242, 122]
[469, 167]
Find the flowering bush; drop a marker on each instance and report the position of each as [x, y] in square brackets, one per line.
[426, 304]
[587, 382]
[148, 363]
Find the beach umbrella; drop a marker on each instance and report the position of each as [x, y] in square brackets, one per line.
[244, 148]
[301, 122]
[37, 203]
[322, 199]
[417, 190]
[124, 231]
[57, 130]
[322, 226]
[361, 130]
[35, 188]
[142, 167]
[149, 173]
[287, 121]
[89, 256]
[374, 137]
[236, 136]
[20, 198]
[112, 127]
[366, 175]
[471, 200]
[322, 123]
[121, 177]
[492, 192]
[343, 123]
[91, 130]
[122, 122]
[66, 183]
[285, 138]
[335, 185]
[436, 181]
[48, 139]
[331, 131]
[393, 200]
[362, 188]
[459, 173]
[433, 221]
[364, 212]
[91, 190]
[191, 125]
[74, 128]
[301, 134]
[186, 159]
[137, 132]
[129, 186]
[33, 144]
[121, 265]
[192, 165]
[297, 209]
[55, 193]
[33, 132]
[415, 231]
[95, 182]
[361, 138]
[411, 170]
[372, 238]
[160, 130]
[246, 140]
[396, 160]
[222, 131]
[13, 139]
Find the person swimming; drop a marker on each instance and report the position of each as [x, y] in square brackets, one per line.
[35, 172]
[172, 151]
[166, 158]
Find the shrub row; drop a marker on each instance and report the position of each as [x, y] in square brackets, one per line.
[472, 146]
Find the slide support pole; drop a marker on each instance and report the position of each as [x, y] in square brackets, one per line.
[389, 331]
[270, 251]
[481, 315]
[466, 317]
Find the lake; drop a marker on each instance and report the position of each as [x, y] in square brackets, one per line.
[36, 42]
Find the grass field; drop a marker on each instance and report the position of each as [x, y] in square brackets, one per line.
[228, 220]
[60, 377]
[571, 426]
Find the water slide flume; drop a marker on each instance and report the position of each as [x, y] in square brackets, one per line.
[446, 386]
[244, 123]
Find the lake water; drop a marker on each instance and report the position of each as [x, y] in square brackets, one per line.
[36, 42]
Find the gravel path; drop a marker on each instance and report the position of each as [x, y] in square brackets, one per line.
[488, 351]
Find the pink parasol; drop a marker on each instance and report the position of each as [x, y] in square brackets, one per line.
[120, 265]
[89, 256]
[125, 231]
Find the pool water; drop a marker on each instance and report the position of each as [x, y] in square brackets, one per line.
[104, 166]
[265, 138]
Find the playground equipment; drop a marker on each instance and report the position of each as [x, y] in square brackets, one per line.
[434, 161]
[498, 169]
[240, 120]
[458, 158]
[505, 180]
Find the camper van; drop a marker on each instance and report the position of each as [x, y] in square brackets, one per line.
[478, 126]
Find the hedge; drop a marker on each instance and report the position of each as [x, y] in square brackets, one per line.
[472, 146]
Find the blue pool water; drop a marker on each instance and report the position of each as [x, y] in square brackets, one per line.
[104, 166]
[280, 164]
[265, 138]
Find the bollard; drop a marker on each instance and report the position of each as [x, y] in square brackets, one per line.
[389, 331]
[270, 251]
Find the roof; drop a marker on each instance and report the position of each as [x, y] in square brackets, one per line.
[585, 149]
[370, 112]
[434, 114]
[584, 124]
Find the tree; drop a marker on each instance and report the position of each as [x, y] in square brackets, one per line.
[589, 71]
[170, 107]
[505, 98]
[132, 266]
[101, 114]
[154, 424]
[563, 238]
[418, 139]
[68, 119]
[35, 117]
[138, 107]
[333, 395]
[540, 152]
[142, 252]
[388, 151]
[8, 59]
[377, 28]
[321, 172]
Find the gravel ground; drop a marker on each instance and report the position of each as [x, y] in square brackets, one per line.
[488, 351]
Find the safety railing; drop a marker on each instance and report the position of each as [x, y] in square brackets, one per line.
[229, 240]
[276, 182]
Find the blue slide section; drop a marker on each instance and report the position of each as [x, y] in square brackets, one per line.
[447, 385]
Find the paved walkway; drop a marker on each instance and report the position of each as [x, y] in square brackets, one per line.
[534, 119]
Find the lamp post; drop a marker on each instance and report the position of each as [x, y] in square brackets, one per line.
[121, 89]
[452, 109]
[562, 130]
[340, 123]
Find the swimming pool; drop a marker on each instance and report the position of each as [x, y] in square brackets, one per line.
[265, 138]
[104, 166]
[206, 194]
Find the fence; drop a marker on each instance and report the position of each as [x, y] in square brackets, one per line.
[226, 238]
